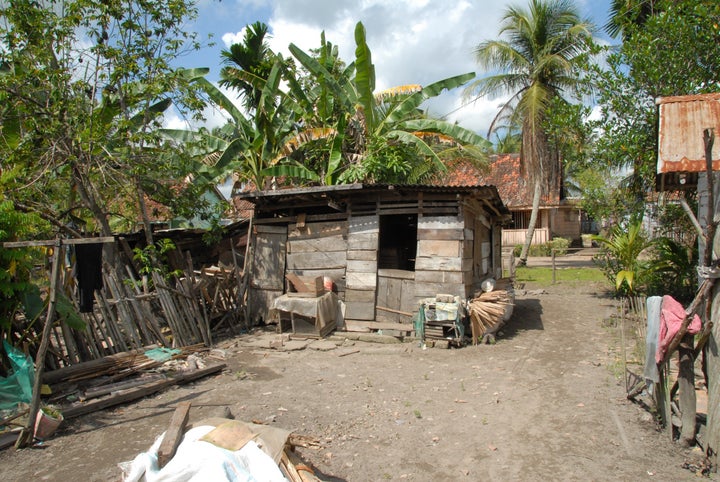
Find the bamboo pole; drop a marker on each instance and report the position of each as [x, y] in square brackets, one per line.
[147, 315]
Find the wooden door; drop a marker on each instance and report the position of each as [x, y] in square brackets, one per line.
[267, 270]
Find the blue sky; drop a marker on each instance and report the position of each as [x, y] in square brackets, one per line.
[412, 41]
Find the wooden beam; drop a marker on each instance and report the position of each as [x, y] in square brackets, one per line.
[174, 434]
[391, 310]
[26, 436]
[63, 242]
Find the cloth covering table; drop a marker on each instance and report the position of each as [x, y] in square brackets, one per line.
[323, 309]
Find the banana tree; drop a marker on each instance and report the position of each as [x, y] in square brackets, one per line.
[622, 250]
[244, 147]
[382, 137]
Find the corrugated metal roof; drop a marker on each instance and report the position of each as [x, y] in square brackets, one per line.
[682, 120]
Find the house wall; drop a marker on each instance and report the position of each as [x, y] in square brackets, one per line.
[267, 270]
[482, 245]
[565, 222]
[318, 249]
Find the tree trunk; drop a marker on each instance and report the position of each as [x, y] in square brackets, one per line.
[89, 199]
[143, 212]
[522, 261]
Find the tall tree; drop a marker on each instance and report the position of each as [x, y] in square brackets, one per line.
[674, 51]
[626, 15]
[83, 84]
[247, 65]
[539, 60]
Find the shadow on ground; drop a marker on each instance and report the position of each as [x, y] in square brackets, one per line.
[527, 315]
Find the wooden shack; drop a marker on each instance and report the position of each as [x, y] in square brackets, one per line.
[385, 246]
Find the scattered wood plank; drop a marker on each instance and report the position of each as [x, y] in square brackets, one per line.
[349, 353]
[116, 387]
[174, 434]
[297, 470]
[7, 439]
[140, 392]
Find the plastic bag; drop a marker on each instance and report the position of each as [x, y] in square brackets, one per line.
[17, 387]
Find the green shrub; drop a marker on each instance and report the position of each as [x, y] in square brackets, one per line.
[517, 250]
[560, 245]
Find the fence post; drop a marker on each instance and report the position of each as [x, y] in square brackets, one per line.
[553, 265]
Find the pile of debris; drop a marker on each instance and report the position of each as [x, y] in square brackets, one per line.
[87, 387]
[221, 449]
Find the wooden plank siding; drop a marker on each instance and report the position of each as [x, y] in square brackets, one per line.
[396, 290]
[319, 249]
[336, 231]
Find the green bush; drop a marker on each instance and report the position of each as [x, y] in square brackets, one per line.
[560, 245]
[517, 250]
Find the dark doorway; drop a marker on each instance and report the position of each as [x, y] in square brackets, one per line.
[398, 242]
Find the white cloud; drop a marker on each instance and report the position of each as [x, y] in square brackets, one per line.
[412, 42]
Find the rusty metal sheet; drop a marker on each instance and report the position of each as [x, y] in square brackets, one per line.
[682, 121]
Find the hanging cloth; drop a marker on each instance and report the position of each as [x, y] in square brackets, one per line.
[672, 315]
[88, 258]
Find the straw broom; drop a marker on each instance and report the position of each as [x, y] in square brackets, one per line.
[487, 310]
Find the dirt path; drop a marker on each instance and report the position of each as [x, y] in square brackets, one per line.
[541, 404]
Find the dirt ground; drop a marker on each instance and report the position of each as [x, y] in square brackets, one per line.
[544, 403]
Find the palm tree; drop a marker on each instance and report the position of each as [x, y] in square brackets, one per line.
[624, 13]
[248, 62]
[539, 61]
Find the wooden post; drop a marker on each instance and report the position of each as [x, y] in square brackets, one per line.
[686, 384]
[712, 358]
[26, 436]
[553, 266]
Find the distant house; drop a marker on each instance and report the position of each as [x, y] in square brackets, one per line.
[558, 216]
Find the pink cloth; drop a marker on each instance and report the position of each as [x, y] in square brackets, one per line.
[672, 315]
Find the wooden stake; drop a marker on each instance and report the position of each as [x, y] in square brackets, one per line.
[26, 436]
[686, 383]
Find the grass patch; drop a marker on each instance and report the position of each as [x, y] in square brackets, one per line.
[543, 276]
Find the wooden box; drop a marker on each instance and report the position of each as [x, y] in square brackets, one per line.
[304, 286]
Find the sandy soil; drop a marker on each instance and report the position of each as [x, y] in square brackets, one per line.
[544, 403]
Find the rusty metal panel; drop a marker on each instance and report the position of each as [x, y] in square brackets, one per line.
[682, 121]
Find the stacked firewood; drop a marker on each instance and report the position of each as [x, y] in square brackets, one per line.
[490, 309]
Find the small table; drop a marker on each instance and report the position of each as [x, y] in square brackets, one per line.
[323, 309]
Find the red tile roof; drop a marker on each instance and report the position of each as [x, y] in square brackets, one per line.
[505, 174]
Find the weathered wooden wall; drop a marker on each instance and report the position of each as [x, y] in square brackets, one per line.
[441, 264]
[319, 249]
[457, 246]
[396, 291]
